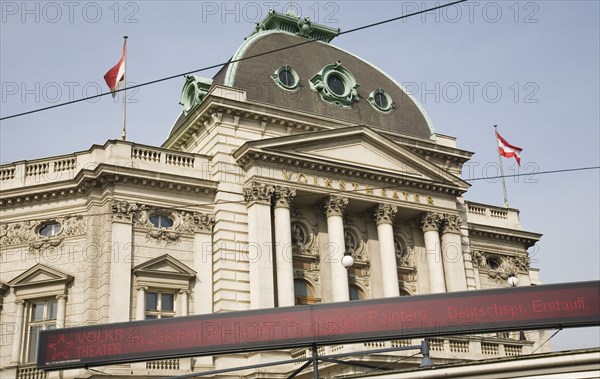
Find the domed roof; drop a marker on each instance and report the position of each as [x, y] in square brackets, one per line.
[321, 79]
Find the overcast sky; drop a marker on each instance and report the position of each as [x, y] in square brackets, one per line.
[532, 67]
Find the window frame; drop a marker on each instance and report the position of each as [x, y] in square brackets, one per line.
[44, 322]
[159, 312]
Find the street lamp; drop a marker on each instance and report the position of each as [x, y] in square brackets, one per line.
[513, 281]
[347, 261]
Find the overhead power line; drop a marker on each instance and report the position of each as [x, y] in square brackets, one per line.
[232, 61]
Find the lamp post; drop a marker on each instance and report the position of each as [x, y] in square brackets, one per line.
[513, 281]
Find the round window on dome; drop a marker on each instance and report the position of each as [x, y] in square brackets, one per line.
[286, 78]
[381, 100]
[336, 84]
[161, 220]
[49, 229]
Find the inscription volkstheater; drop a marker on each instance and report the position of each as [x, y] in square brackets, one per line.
[343, 185]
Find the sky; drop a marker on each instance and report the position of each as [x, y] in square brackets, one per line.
[531, 67]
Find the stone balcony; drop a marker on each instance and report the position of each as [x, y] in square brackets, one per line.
[493, 216]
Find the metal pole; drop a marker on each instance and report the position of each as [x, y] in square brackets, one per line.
[315, 358]
[123, 131]
[501, 168]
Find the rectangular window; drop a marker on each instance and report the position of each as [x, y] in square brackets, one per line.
[160, 305]
[41, 315]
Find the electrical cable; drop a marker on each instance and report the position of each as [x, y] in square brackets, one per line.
[231, 61]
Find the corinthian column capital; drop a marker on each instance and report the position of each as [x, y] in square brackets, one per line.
[283, 196]
[385, 213]
[451, 224]
[430, 221]
[334, 205]
[258, 192]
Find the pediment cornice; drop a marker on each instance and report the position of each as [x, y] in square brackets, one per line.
[40, 275]
[294, 153]
[164, 266]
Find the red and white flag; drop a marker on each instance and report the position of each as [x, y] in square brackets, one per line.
[115, 77]
[507, 150]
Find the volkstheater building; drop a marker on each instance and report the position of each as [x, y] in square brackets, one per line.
[277, 170]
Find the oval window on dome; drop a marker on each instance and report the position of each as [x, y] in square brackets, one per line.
[336, 84]
[286, 78]
[381, 100]
[49, 229]
[161, 220]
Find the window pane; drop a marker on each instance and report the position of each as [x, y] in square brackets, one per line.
[301, 288]
[34, 332]
[336, 84]
[52, 309]
[151, 301]
[168, 302]
[151, 317]
[37, 311]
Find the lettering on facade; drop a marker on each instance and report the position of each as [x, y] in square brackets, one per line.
[343, 185]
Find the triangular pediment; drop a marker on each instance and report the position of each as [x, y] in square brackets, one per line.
[359, 149]
[165, 265]
[40, 274]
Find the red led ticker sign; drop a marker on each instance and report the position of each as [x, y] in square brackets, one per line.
[494, 310]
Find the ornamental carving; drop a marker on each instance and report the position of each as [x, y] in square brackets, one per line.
[258, 192]
[385, 213]
[123, 211]
[451, 224]
[283, 196]
[304, 235]
[498, 265]
[355, 240]
[430, 221]
[25, 232]
[334, 206]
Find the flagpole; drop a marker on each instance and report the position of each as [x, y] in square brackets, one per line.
[124, 130]
[501, 168]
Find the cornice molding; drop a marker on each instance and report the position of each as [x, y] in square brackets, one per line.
[105, 175]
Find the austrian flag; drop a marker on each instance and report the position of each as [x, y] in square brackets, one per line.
[115, 77]
[507, 150]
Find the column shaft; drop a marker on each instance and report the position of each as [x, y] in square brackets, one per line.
[61, 311]
[454, 264]
[283, 247]
[260, 259]
[183, 303]
[140, 308]
[433, 252]
[384, 216]
[336, 248]
[19, 332]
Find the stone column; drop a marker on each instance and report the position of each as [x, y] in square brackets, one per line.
[19, 332]
[430, 223]
[203, 263]
[140, 307]
[454, 264]
[384, 217]
[120, 262]
[334, 211]
[283, 246]
[61, 311]
[183, 302]
[258, 197]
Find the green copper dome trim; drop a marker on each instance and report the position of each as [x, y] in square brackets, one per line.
[336, 85]
[193, 92]
[302, 27]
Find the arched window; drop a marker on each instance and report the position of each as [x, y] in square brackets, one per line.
[304, 293]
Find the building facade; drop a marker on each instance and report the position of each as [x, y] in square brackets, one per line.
[283, 165]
